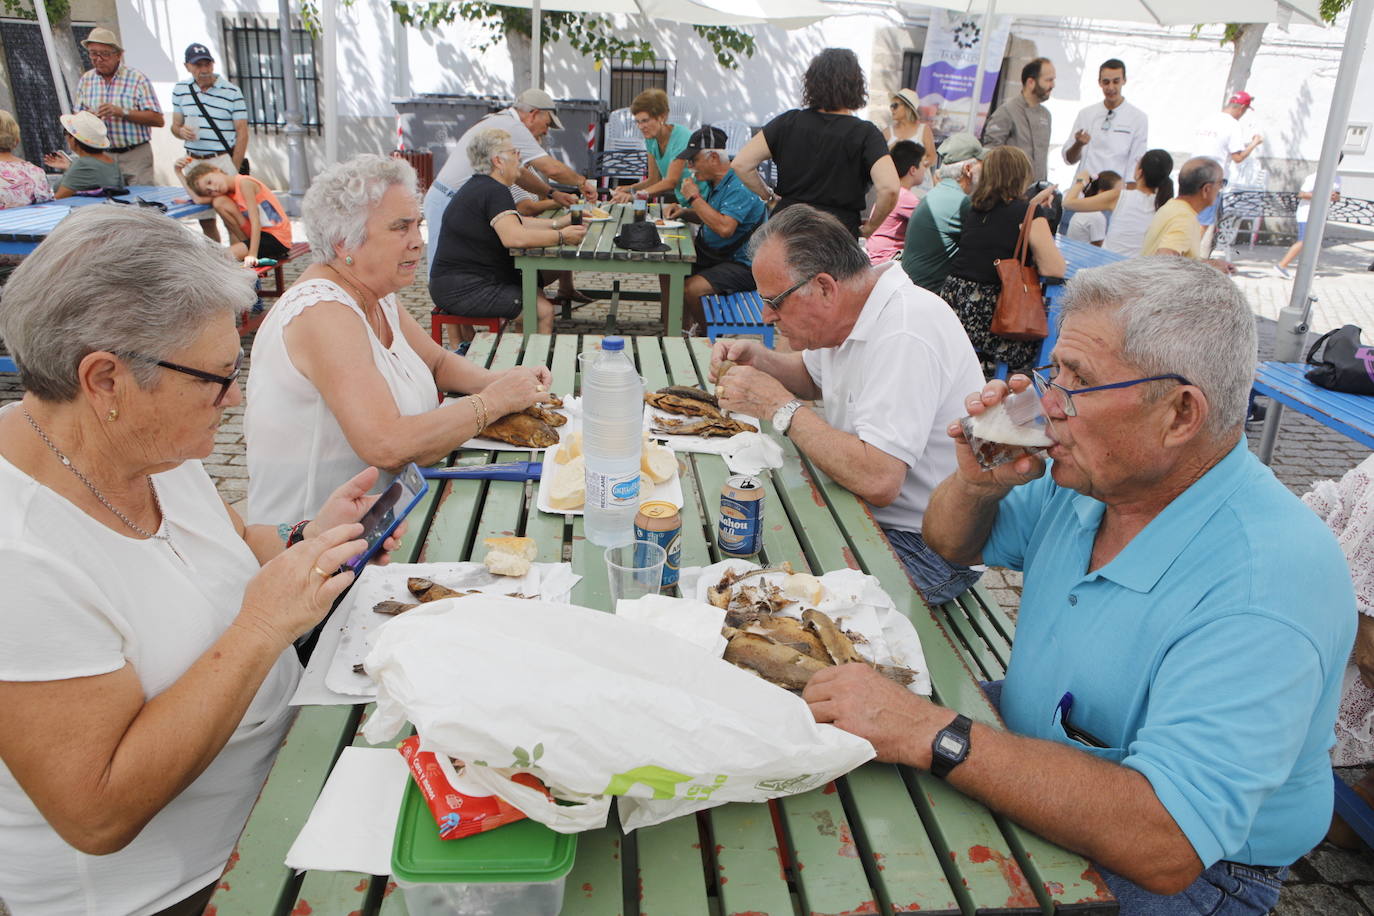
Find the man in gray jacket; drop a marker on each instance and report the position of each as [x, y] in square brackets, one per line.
[1023, 121]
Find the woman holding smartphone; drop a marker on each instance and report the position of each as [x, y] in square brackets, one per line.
[147, 658]
[343, 377]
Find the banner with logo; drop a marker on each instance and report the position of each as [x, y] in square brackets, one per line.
[949, 64]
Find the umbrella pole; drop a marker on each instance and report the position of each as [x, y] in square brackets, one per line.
[536, 47]
[982, 60]
[295, 128]
[59, 83]
[1291, 334]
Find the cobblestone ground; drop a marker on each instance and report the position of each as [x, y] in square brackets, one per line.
[1329, 881]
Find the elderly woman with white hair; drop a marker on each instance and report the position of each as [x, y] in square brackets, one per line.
[343, 376]
[146, 632]
[474, 273]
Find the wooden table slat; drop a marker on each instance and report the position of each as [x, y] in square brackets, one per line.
[595, 886]
[830, 876]
[748, 856]
[671, 882]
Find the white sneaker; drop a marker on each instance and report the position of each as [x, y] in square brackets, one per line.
[1282, 271]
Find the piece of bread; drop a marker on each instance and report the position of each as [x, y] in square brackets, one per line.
[658, 462]
[568, 449]
[509, 556]
[804, 587]
[568, 486]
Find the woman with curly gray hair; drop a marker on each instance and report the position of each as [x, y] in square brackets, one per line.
[343, 376]
[146, 662]
[825, 156]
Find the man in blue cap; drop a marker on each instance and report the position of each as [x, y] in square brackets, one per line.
[728, 213]
[209, 114]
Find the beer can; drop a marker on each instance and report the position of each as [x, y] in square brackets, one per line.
[659, 522]
[741, 516]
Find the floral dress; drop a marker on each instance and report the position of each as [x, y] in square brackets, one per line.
[22, 183]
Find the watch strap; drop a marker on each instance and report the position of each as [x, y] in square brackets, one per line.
[941, 761]
[787, 413]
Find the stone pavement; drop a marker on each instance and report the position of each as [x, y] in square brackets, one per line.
[1329, 881]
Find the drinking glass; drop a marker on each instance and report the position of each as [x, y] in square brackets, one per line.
[635, 570]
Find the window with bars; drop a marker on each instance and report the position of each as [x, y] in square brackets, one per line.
[255, 66]
[628, 79]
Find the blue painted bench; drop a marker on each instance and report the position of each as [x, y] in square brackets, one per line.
[7, 365]
[1351, 415]
[736, 313]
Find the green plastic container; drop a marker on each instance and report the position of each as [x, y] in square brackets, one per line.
[515, 870]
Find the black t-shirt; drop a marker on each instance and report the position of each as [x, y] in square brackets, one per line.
[824, 160]
[467, 242]
[987, 236]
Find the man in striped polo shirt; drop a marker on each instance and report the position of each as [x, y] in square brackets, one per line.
[223, 102]
[123, 98]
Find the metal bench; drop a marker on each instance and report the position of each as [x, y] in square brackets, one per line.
[1350, 415]
[736, 313]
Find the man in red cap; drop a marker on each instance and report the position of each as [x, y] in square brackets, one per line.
[1220, 137]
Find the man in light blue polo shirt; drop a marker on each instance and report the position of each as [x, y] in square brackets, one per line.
[728, 213]
[1185, 620]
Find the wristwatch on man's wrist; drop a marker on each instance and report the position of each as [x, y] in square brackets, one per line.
[782, 418]
[950, 746]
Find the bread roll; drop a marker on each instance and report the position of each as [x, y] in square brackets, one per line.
[568, 486]
[658, 462]
[509, 556]
[569, 449]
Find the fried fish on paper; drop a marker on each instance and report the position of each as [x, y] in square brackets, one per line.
[706, 427]
[777, 664]
[521, 429]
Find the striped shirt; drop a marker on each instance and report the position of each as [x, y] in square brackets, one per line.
[128, 88]
[225, 104]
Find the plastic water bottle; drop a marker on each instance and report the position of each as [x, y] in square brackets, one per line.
[612, 439]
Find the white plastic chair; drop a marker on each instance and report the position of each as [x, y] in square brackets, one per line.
[621, 132]
[685, 111]
[737, 133]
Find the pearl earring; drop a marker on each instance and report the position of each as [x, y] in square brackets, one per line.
[348, 260]
[112, 415]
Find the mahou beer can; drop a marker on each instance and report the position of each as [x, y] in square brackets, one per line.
[741, 516]
[658, 522]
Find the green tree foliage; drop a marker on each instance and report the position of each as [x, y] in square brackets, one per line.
[591, 35]
[23, 9]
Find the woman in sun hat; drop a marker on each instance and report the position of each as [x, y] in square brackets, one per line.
[907, 124]
[93, 167]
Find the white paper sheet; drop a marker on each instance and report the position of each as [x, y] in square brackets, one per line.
[353, 823]
[359, 624]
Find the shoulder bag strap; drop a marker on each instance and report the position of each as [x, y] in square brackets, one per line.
[228, 151]
[1023, 240]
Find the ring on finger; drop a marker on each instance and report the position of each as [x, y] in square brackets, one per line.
[321, 572]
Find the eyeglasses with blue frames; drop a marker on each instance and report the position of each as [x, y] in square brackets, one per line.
[224, 381]
[775, 303]
[1043, 379]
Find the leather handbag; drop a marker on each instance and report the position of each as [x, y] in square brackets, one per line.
[1020, 311]
[1345, 364]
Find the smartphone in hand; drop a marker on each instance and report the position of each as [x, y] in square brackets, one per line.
[387, 513]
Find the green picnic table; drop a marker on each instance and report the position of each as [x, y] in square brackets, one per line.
[598, 252]
[882, 839]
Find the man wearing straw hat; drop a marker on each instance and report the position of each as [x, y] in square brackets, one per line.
[123, 98]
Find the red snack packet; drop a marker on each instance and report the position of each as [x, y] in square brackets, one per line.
[457, 814]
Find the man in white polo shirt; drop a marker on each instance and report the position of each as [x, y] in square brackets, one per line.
[527, 122]
[1112, 135]
[891, 360]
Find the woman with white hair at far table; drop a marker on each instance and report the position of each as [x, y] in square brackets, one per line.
[146, 632]
[343, 376]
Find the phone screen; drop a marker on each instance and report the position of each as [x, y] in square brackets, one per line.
[387, 513]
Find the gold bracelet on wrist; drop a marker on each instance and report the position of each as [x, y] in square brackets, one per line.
[479, 411]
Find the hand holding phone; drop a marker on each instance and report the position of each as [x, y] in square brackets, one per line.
[387, 513]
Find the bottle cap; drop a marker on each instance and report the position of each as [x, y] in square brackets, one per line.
[613, 343]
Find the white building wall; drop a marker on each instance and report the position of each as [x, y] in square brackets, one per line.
[1176, 78]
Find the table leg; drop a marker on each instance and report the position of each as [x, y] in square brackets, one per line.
[529, 291]
[674, 328]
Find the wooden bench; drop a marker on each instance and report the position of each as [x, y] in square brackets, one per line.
[1350, 415]
[736, 313]
[439, 320]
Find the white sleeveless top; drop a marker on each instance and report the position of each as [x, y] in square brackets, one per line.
[297, 452]
[82, 600]
[1126, 232]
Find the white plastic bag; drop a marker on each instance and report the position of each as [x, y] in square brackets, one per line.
[595, 705]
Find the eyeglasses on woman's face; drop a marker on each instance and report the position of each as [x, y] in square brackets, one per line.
[224, 381]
